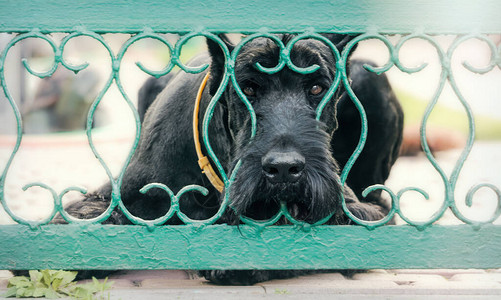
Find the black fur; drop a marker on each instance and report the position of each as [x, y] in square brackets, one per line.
[286, 123]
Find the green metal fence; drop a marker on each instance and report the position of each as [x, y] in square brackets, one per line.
[200, 244]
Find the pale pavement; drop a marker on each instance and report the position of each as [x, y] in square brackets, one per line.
[66, 160]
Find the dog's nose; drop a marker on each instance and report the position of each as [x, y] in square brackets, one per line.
[283, 167]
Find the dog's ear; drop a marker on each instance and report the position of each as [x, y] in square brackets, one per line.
[218, 61]
[341, 40]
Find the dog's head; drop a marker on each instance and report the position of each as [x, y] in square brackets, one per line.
[289, 159]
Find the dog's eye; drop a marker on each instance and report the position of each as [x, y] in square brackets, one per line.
[249, 91]
[316, 90]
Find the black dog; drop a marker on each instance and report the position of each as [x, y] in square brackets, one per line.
[293, 158]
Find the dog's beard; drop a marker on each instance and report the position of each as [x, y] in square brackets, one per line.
[316, 195]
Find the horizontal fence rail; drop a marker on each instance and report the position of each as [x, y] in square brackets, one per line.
[229, 247]
[254, 245]
[344, 16]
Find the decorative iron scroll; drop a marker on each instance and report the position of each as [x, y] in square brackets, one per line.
[229, 75]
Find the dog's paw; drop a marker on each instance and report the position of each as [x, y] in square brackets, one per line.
[235, 277]
[365, 211]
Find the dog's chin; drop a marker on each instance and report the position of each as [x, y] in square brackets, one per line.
[298, 198]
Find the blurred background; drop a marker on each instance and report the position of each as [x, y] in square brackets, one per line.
[55, 150]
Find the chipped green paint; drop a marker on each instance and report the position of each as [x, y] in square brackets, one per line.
[86, 244]
[387, 16]
[247, 247]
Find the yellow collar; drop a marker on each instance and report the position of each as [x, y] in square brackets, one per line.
[203, 161]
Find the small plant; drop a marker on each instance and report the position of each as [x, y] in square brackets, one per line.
[281, 292]
[54, 284]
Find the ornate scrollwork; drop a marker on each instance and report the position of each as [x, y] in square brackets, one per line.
[228, 76]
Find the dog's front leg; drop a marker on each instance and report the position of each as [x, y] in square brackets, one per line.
[236, 277]
[250, 277]
[363, 211]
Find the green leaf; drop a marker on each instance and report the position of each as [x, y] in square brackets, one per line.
[51, 294]
[35, 275]
[68, 276]
[19, 281]
[11, 292]
[40, 291]
[46, 277]
[56, 283]
[40, 285]
[21, 292]
[107, 284]
[66, 290]
[57, 273]
[81, 292]
[29, 291]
